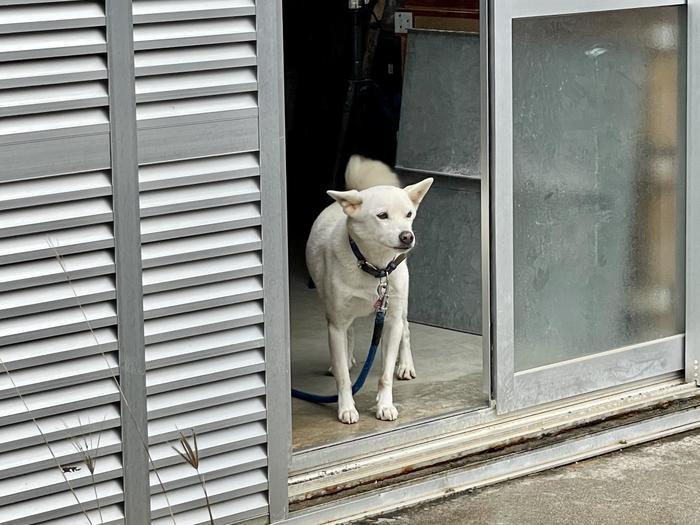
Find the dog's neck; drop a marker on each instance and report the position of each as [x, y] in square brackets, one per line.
[376, 254]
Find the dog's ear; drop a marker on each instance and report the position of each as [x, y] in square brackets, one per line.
[417, 191]
[350, 200]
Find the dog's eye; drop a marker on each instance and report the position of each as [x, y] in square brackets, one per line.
[384, 215]
[409, 214]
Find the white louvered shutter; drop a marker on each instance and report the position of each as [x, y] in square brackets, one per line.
[197, 142]
[58, 343]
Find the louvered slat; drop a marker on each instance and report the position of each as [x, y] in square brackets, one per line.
[188, 300]
[58, 242]
[218, 490]
[66, 399]
[26, 2]
[183, 375]
[53, 125]
[58, 427]
[35, 485]
[238, 509]
[200, 247]
[179, 34]
[203, 346]
[55, 189]
[58, 375]
[221, 193]
[56, 322]
[201, 272]
[171, 10]
[181, 475]
[63, 504]
[203, 321]
[177, 225]
[56, 296]
[52, 71]
[188, 85]
[45, 44]
[206, 395]
[198, 171]
[34, 273]
[105, 515]
[16, 19]
[207, 419]
[197, 58]
[56, 349]
[67, 451]
[55, 216]
[23, 101]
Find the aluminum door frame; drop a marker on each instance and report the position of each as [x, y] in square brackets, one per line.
[515, 390]
[692, 189]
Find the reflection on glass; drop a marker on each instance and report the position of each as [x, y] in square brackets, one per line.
[598, 183]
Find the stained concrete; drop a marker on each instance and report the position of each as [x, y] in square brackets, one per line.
[653, 484]
[448, 366]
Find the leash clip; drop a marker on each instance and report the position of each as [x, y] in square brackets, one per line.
[382, 302]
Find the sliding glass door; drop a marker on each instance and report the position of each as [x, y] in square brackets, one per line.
[589, 192]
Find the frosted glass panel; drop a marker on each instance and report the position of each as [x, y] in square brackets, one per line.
[598, 183]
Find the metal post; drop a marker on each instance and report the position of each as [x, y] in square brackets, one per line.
[127, 255]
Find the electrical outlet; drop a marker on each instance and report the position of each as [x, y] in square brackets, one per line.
[403, 21]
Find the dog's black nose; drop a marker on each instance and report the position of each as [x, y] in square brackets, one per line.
[406, 238]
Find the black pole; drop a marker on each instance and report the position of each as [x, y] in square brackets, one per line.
[355, 8]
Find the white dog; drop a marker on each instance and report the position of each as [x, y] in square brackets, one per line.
[377, 216]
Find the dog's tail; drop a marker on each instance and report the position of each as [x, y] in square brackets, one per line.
[363, 173]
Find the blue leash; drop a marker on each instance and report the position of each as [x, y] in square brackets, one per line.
[360, 381]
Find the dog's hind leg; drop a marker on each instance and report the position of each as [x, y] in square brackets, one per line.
[337, 340]
[351, 347]
[406, 369]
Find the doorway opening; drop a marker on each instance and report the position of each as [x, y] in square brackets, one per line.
[417, 76]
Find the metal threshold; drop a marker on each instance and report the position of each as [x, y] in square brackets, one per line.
[378, 457]
[678, 412]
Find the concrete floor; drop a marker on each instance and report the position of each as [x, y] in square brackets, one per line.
[653, 484]
[448, 366]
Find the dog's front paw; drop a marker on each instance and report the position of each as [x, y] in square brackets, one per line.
[348, 415]
[406, 371]
[387, 412]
